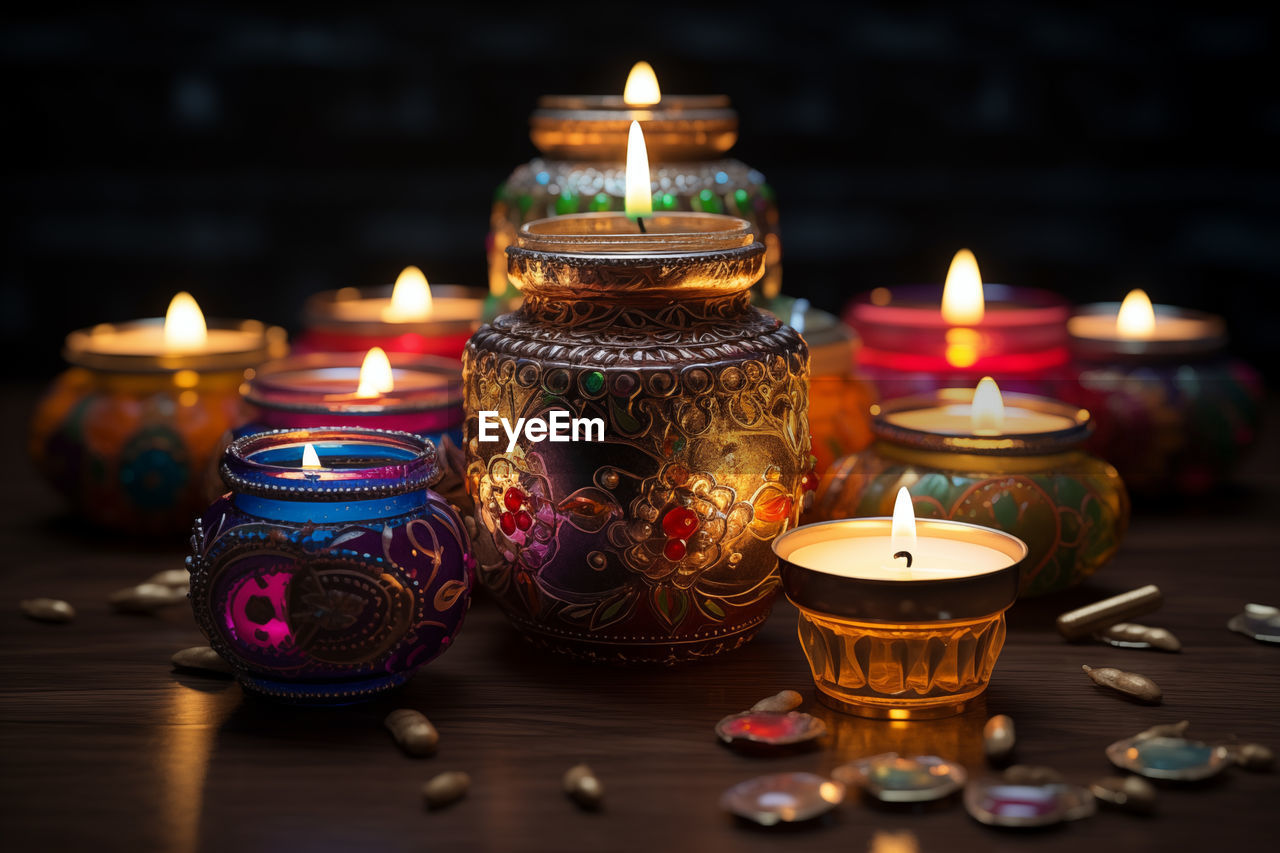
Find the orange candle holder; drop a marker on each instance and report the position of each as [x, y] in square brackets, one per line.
[900, 649]
[128, 438]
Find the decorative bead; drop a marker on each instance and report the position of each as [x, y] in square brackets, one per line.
[593, 382]
[513, 499]
[567, 203]
[601, 202]
[523, 520]
[508, 523]
[708, 202]
[665, 201]
[674, 550]
[742, 199]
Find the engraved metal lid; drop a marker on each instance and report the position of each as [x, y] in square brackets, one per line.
[355, 464]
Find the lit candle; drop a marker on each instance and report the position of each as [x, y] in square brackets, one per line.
[871, 553]
[183, 332]
[1136, 323]
[900, 618]
[921, 337]
[641, 89]
[983, 414]
[411, 316]
[309, 457]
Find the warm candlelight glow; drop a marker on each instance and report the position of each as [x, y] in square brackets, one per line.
[184, 326]
[639, 194]
[962, 303]
[310, 459]
[642, 86]
[988, 408]
[410, 298]
[903, 533]
[375, 374]
[1137, 319]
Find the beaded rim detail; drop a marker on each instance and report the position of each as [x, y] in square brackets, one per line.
[416, 474]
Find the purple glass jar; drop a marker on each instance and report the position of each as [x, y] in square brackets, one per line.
[329, 583]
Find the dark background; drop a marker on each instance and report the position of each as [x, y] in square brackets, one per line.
[254, 156]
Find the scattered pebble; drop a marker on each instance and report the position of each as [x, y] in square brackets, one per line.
[582, 786]
[413, 732]
[171, 577]
[1132, 635]
[147, 597]
[998, 738]
[1131, 793]
[201, 659]
[445, 789]
[1253, 756]
[47, 609]
[1129, 683]
[785, 700]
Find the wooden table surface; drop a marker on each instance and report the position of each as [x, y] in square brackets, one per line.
[103, 746]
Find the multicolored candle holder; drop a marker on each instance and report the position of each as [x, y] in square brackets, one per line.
[582, 141]
[915, 648]
[1175, 415]
[353, 320]
[652, 544]
[335, 583]
[1070, 507]
[321, 389]
[128, 435]
[909, 348]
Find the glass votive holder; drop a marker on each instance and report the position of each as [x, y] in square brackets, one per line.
[352, 319]
[1070, 507]
[1175, 414]
[329, 583]
[916, 647]
[128, 436]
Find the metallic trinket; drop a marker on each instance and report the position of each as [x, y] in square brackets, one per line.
[1131, 793]
[1259, 621]
[1172, 758]
[1026, 806]
[893, 778]
[771, 727]
[783, 798]
[1083, 621]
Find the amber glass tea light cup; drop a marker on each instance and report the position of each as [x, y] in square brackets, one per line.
[894, 642]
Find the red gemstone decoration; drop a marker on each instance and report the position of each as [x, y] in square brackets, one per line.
[513, 499]
[680, 523]
[809, 482]
[771, 727]
[523, 520]
[508, 523]
[674, 550]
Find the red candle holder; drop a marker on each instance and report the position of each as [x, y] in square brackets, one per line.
[335, 322]
[909, 348]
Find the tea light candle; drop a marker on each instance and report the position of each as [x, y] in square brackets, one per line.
[411, 316]
[1175, 413]
[128, 432]
[898, 588]
[921, 337]
[985, 414]
[398, 391]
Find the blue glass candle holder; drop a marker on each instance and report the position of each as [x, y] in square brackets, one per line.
[334, 583]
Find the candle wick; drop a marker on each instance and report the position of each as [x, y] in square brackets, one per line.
[901, 554]
[640, 222]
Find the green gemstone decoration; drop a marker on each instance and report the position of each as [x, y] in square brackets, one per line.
[524, 202]
[593, 382]
[708, 202]
[566, 203]
[743, 200]
[601, 202]
[665, 201]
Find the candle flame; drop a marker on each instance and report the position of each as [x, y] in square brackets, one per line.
[375, 374]
[962, 302]
[642, 86]
[903, 533]
[310, 459]
[987, 410]
[410, 298]
[1137, 319]
[639, 192]
[184, 326]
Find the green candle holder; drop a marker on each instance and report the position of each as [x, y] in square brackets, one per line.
[1071, 508]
